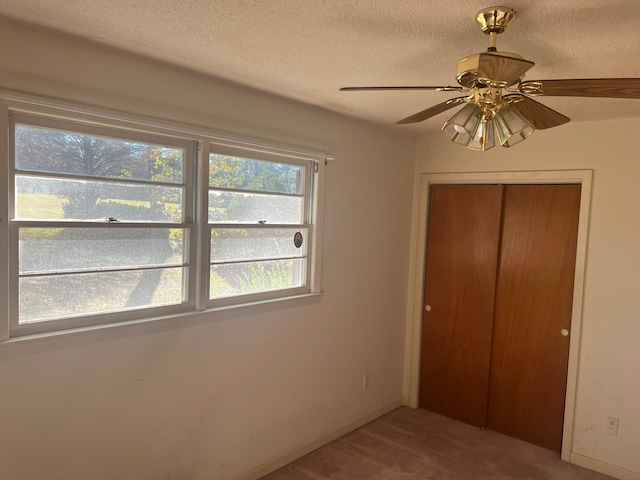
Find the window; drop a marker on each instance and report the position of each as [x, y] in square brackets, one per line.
[102, 221]
[259, 220]
[109, 224]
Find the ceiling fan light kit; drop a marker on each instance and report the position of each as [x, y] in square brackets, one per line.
[498, 100]
[471, 128]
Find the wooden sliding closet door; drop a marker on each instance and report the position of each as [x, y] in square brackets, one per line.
[534, 295]
[462, 253]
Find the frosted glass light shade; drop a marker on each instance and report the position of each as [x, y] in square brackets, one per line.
[461, 127]
[512, 127]
[483, 137]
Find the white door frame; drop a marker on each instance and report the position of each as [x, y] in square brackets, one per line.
[417, 269]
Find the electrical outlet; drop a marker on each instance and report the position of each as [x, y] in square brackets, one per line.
[365, 381]
[612, 426]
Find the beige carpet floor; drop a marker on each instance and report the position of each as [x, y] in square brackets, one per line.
[409, 444]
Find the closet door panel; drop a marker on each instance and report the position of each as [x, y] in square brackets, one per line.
[462, 250]
[534, 295]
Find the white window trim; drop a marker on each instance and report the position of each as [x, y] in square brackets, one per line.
[307, 223]
[20, 103]
[4, 227]
[187, 224]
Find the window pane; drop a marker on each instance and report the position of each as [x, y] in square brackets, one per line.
[40, 198]
[247, 174]
[59, 296]
[229, 245]
[44, 250]
[254, 208]
[244, 278]
[47, 150]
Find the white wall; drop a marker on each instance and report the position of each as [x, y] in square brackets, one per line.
[609, 358]
[215, 396]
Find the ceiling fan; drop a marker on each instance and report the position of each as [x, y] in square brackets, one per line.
[497, 99]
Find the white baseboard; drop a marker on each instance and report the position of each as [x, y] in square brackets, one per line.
[268, 467]
[603, 467]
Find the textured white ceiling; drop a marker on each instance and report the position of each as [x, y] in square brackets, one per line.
[307, 49]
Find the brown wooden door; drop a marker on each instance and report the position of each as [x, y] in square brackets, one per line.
[498, 292]
[534, 295]
[462, 253]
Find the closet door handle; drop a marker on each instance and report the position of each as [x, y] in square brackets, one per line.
[428, 308]
[564, 332]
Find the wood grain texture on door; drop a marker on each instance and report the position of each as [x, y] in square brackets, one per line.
[534, 296]
[462, 250]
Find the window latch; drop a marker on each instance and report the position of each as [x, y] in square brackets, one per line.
[112, 220]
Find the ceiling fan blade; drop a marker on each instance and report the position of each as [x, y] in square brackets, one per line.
[441, 89]
[539, 115]
[584, 87]
[502, 68]
[432, 111]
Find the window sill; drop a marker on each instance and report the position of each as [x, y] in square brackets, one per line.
[35, 343]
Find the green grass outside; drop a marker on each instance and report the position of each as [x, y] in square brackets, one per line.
[44, 206]
[40, 206]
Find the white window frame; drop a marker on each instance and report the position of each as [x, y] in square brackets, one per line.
[309, 167]
[187, 224]
[136, 127]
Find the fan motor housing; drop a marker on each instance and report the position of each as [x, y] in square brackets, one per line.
[468, 67]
